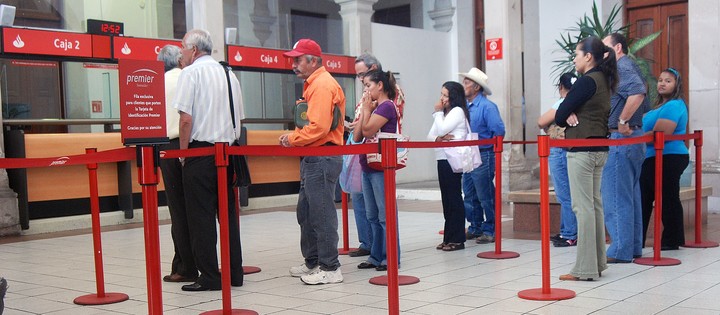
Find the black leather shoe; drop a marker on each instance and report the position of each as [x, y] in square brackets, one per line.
[178, 278]
[366, 265]
[359, 252]
[381, 268]
[236, 283]
[199, 287]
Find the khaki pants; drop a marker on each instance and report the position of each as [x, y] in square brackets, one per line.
[585, 173]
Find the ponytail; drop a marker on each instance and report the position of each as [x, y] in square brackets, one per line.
[387, 79]
[608, 66]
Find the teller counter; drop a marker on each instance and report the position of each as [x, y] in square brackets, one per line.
[61, 191]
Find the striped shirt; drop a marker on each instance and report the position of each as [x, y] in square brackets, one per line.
[202, 93]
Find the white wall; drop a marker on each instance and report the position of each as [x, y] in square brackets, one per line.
[423, 59]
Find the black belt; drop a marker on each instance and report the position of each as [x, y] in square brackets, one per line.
[329, 143]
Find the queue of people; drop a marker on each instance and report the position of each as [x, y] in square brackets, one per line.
[612, 188]
[597, 187]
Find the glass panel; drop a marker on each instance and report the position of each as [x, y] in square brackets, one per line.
[91, 91]
[39, 100]
[250, 83]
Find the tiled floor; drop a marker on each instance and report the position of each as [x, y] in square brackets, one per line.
[46, 273]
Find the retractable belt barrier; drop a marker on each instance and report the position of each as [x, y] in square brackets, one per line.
[221, 151]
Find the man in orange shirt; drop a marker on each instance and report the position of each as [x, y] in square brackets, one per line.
[316, 211]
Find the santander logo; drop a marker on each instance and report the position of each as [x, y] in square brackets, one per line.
[60, 161]
[238, 57]
[18, 42]
[126, 50]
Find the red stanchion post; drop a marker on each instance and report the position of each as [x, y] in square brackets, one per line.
[545, 293]
[345, 231]
[699, 243]
[388, 148]
[221, 162]
[657, 260]
[148, 179]
[498, 253]
[101, 297]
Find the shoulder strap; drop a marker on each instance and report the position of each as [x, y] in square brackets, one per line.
[226, 67]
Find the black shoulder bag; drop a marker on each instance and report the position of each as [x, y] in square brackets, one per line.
[238, 162]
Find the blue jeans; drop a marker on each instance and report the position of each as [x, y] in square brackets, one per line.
[622, 201]
[479, 199]
[361, 221]
[557, 162]
[374, 193]
[316, 211]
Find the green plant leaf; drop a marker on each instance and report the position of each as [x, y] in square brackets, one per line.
[642, 42]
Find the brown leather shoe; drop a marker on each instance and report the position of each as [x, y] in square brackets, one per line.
[178, 278]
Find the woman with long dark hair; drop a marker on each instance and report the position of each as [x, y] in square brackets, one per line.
[450, 122]
[585, 114]
[378, 115]
[671, 117]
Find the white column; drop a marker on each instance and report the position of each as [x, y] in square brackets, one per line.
[208, 15]
[357, 34]
[704, 89]
[503, 20]
[442, 15]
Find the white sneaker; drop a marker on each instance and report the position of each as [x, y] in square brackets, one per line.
[323, 277]
[302, 270]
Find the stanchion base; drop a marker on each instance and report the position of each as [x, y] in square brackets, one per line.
[704, 244]
[402, 280]
[441, 232]
[93, 299]
[250, 270]
[663, 261]
[234, 311]
[343, 251]
[501, 255]
[553, 295]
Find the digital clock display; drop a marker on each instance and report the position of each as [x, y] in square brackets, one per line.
[99, 27]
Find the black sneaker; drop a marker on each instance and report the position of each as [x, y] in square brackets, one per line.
[556, 238]
[565, 243]
[359, 252]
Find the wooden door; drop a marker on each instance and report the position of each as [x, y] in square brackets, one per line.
[671, 48]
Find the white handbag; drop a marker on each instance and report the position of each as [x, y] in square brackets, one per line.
[464, 159]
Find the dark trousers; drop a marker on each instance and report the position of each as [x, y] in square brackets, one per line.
[452, 203]
[201, 197]
[673, 233]
[183, 262]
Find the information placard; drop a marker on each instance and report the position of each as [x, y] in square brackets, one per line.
[142, 102]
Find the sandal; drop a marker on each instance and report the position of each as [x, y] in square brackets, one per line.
[453, 246]
[440, 246]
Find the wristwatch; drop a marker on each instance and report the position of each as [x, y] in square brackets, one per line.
[623, 122]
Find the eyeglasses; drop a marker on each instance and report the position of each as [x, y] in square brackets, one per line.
[361, 75]
[444, 95]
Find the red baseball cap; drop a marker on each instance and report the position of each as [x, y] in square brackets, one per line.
[304, 46]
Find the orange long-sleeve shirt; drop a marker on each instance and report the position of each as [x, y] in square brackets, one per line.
[321, 92]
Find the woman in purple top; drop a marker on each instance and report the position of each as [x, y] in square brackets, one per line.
[378, 115]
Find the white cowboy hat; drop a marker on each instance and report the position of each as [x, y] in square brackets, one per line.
[479, 77]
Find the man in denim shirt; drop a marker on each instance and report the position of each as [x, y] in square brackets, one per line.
[620, 185]
[478, 186]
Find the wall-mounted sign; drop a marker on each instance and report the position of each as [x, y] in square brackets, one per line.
[37, 42]
[142, 101]
[100, 27]
[96, 106]
[139, 48]
[264, 58]
[493, 49]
